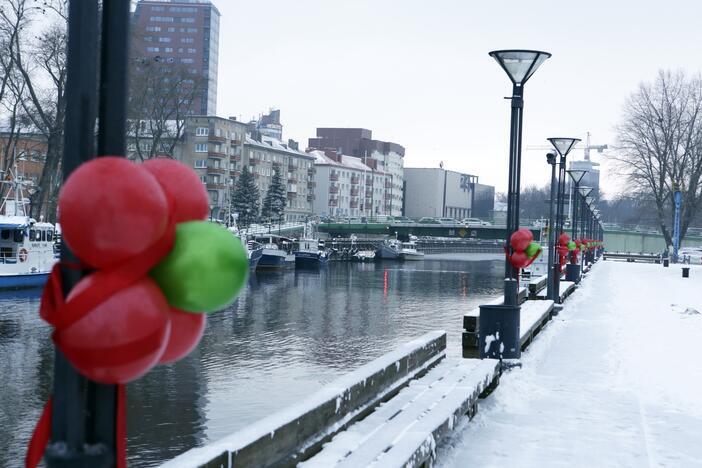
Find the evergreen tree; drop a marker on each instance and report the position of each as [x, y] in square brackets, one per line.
[246, 199]
[275, 200]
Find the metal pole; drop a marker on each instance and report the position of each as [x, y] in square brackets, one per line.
[551, 235]
[556, 266]
[676, 224]
[511, 288]
[70, 434]
[574, 204]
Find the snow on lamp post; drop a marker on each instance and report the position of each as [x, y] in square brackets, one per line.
[500, 324]
[563, 146]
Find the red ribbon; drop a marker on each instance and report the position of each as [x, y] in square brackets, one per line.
[61, 315]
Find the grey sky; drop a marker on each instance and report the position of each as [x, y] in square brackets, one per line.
[417, 72]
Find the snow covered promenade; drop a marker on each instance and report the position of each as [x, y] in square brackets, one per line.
[614, 380]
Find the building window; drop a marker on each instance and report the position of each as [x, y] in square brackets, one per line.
[200, 163]
[202, 131]
[162, 19]
[187, 40]
[187, 60]
[187, 20]
[158, 8]
[201, 148]
[182, 10]
[168, 49]
[171, 29]
[191, 30]
[148, 38]
[192, 51]
[164, 39]
[152, 49]
[153, 28]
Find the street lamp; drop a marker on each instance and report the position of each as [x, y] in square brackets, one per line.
[551, 158]
[502, 322]
[563, 146]
[573, 269]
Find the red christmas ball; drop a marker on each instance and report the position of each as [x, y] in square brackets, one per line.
[123, 337]
[183, 186]
[521, 239]
[518, 259]
[186, 330]
[563, 239]
[110, 210]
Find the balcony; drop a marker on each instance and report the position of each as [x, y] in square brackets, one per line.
[369, 193]
[253, 162]
[234, 141]
[310, 196]
[235, 157]
[215, 170]
[311, 183]
[334, 189]
[388, 184]
[292, 167]
[216, 139]
[334, 176]
[354, 191]
[311, 171]
[369, 182]
[216, 154]
[355, 180]
[333, 202]
[215, 186]
[354, 204]
[387, 196]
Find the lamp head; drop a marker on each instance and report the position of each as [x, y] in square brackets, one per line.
[519, 64]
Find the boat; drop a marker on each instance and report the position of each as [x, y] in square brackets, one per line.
[389, 250]
[254, 251]
[409, 251]
[364, 256]
[27, 252]
[272, 256]
[311, 253]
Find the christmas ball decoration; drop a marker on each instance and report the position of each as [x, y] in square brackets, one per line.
[183, 186]
[533, 250]
[104, 226]
[520, 239]
[123, 337]
[205, 270]
[571, 245]
[186, 330]
[518, 259]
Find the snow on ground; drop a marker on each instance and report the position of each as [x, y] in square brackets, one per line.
[615, 380]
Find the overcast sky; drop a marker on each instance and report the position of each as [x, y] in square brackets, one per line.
[417, 72]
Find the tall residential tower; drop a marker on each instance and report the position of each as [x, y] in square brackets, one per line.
[183, 33]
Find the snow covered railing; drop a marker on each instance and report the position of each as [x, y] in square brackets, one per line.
[298, 432]
[536, 285]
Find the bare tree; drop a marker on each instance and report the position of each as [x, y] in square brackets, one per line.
[660, 145]
[38, 54]
[161, 95]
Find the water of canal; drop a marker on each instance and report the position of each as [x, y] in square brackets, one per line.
[289, 333]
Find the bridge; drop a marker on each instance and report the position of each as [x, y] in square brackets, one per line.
[404, 230]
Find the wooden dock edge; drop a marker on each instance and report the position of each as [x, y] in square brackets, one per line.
[298, 432]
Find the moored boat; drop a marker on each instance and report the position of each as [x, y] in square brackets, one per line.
[389, 250]
[310, 254]
[409, 251]
[272, 255]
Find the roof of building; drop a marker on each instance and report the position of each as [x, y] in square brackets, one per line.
[348, 162]
[274, 144]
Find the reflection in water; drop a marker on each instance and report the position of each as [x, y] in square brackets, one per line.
[289, 333]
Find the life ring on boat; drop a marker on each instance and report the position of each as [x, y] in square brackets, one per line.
[23, 255]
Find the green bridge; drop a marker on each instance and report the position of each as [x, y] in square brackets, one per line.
[615, 240]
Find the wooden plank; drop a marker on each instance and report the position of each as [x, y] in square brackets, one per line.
[405, 430]
[298, 432]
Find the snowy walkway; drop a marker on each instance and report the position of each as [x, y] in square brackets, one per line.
[615, 380]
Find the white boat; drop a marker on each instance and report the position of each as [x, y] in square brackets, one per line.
[364, 256]
[26, 246]
[254, 251]
[409, 251]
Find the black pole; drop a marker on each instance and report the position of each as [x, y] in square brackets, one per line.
[70, 431]
[551, 232]
[556, 266]
[84, 412]
[511, 287]
[574, 204]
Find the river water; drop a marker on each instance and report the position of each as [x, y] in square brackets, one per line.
[288, 334]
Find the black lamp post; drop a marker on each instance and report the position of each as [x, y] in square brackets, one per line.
[583, 192]
[551, 159]
[501, 323]
[573, 269]
[563, 146]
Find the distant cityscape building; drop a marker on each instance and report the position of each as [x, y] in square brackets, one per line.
[268, 125]
[345, 186]
[381, 156]
[181, 33]
[440, 193]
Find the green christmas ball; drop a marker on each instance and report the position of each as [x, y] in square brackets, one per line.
[206, 269]
[571, 245]
[533, 250]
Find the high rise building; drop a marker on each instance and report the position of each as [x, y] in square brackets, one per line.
[181, 33]
[381, 156]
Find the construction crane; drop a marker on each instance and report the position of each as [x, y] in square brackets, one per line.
[586, 149]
